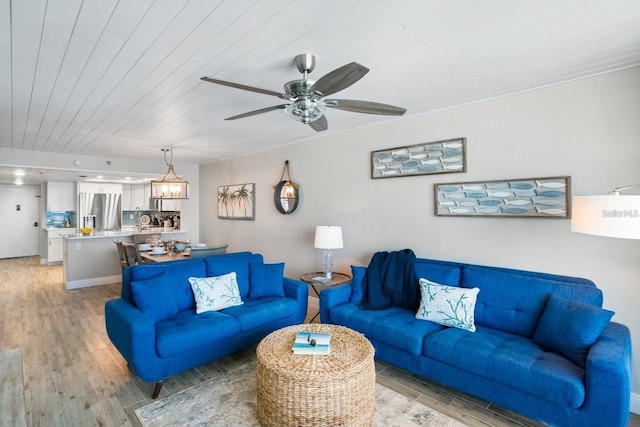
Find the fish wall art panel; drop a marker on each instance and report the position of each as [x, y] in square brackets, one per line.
[513, 198]
[449, 156]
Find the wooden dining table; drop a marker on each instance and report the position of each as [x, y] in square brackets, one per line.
[149, 256]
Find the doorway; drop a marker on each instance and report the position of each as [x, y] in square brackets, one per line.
[19, 224]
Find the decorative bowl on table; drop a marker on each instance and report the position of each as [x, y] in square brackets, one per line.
[181, 246]
[85, 231]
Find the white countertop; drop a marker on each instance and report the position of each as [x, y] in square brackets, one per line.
[74, 234]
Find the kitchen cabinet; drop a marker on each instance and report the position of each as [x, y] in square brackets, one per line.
[135, 196]
[61, 196]
[54, 250]
[99, 187]
[125, 201]
[140, 196]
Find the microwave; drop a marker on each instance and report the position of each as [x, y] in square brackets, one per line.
[164, 205]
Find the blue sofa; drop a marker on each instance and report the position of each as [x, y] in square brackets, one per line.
[507, 360]
[154, 324]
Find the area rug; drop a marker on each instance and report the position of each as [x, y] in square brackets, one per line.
[12, 407]
[230, 400]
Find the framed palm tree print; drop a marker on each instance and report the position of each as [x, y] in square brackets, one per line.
[237, 202]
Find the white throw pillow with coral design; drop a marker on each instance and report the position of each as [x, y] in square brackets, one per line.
[215, 293]
[447, 305]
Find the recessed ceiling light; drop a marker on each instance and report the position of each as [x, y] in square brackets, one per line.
[18, 182]
[100, 176]
[19, 172]
[127, 178]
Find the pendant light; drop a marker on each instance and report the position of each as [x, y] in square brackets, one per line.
[170, 186]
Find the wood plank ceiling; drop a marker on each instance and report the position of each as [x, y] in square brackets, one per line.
[121, 78]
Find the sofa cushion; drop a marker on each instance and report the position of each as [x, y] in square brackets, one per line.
[447, 305]
[514, 302]
[357, 278]
[154, 297]
[509, 359]
[235, 262]
[188, 331]
[266, 280]
[443, 274]
[259, 312]
[393, 326]
[215, 293]
[570, 328]
[178, 273]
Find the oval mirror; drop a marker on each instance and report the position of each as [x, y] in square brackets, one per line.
[285, 197]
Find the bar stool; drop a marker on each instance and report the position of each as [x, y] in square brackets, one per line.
[124, 263]
[132, 253]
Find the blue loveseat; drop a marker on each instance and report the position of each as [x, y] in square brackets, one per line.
[156, 327]
[531, 350]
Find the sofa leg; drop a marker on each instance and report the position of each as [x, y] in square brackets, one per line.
[156, 390]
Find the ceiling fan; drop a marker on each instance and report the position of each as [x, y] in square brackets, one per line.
[306, 96]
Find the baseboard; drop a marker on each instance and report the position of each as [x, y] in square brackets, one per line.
[635, 403]
[85, 283]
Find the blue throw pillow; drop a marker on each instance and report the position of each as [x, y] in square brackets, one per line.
[570, 328]
[357, 274]
[442, 274]
[267, 280]
[154, 297]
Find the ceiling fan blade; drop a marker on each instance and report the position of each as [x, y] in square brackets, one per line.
[338, 79]
[319, 124]
[260, 111]
[365, 107]
[245, 87]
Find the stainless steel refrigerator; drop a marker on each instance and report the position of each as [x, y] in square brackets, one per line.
[100, 211]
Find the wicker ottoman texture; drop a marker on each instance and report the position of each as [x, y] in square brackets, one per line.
[303, 390]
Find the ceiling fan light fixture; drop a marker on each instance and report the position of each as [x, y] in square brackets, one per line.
[306, 110]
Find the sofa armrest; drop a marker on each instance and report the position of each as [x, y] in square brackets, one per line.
[608, 375]
[331, 297]
[299, 291]
[130, 331]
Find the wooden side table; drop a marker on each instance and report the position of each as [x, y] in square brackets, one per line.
[336, 279]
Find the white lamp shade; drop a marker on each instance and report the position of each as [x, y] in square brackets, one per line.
[610, 216]
[328, 237]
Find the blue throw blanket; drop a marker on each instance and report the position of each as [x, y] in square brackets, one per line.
[390, 281]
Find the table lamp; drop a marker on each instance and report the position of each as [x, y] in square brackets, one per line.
[328, 237]
[614, 215]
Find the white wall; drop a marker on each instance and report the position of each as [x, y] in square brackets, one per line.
[587, 129]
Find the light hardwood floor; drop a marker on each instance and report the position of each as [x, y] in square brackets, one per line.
[73, 376]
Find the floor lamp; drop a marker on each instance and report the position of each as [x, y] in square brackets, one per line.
[614, 215]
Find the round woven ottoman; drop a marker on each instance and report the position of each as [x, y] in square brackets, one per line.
[313, 390]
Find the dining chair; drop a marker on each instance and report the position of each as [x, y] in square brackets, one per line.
[122, 256]
[133, 254]
[196, 252]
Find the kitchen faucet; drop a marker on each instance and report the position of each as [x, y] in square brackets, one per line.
[138, 218]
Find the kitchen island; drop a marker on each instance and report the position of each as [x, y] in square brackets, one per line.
[93, 260]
